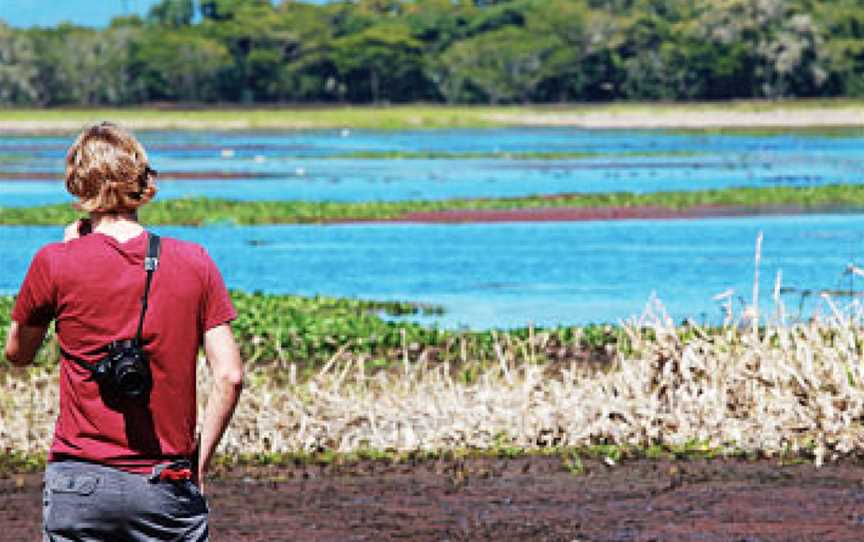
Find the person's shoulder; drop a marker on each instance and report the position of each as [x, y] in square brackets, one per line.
[46, 258]
[186, 253]
[51, 251]
[186, 249]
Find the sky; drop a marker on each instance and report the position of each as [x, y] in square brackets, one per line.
[24, 13]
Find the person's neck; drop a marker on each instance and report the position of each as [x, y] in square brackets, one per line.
[120, 226]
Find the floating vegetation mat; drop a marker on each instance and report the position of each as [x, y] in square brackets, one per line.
[203, 211]
[793, 389]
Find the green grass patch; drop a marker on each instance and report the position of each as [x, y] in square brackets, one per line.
[277, 330]
[14, 462]
[203, 211]
[274, 331]
[142, 118]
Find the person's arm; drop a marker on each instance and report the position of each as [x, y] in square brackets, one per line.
[223, 356]
[33, 310]
[23, 342]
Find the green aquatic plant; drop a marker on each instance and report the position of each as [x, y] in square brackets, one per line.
[279, 330]
[204, 211]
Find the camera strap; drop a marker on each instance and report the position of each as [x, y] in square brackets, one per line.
[151, 262]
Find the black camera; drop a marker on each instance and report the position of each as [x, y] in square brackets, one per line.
[125, 369]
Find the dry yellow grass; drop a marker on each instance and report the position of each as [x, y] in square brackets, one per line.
[780, 389]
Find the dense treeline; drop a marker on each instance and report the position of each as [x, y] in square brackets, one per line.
[455, 51]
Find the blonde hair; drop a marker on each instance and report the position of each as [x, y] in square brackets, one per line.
[107, 169]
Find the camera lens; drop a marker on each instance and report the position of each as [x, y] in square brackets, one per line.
[131, 380]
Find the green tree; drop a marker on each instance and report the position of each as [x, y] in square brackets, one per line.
[86, 67]
[503, 66]
[259, 39]
[497, 15]
[636, 52]
[580, 67]
[439, 23]
[382, 62]
[18, 70]
[842, 25]
[183, 66]
[307, 70]
[783, 45]
[221, 10]
[455, 50]
[172, 13]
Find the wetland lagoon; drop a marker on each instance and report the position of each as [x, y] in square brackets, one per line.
[389, 337]
[502, 274]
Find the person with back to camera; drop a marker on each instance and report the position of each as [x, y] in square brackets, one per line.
[131, 311]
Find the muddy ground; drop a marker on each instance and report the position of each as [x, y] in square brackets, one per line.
[516, 499]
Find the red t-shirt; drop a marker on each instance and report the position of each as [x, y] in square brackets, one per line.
[92, 287]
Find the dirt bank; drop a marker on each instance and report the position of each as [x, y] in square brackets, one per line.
[733, 114]
[668, 116]
[517, 499]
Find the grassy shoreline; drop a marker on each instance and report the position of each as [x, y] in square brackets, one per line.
[786, 391]
[232, 119]
[202, 211]
[740, 114]
[574, 460]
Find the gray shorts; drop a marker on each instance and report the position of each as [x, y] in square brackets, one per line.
[91, 502]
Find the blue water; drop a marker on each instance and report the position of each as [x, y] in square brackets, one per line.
[306, 165]
[507, 275]
[486, 275]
